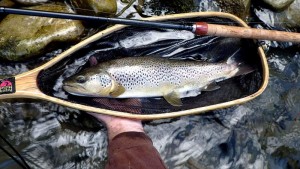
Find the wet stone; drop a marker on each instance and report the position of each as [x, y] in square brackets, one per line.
[6, 3]
[240, 8]
[23, 37]
[158, 7]
[292, 14]
[289, 18]
[278, 5]
[30, 2]
[95, 7]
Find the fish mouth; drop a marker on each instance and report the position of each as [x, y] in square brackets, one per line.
[68, 85]
[71, 88]
[68, 88]
[72, 85]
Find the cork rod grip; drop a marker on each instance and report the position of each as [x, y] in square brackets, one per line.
[203, 28]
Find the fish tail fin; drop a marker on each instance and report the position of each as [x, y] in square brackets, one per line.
[245, 65]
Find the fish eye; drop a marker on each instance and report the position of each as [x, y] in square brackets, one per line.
[80, 79]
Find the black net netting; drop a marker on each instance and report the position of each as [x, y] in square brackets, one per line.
[135, 42]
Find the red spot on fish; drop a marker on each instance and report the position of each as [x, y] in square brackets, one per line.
[93, 61]
[5, 83]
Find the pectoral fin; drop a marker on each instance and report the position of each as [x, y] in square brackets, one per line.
[173, 98]
[211, 87]
[117, 90]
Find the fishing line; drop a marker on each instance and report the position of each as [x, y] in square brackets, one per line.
[24, 164]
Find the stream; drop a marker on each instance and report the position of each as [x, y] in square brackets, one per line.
[262, 133]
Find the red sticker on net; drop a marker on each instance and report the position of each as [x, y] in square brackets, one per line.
[7, 85]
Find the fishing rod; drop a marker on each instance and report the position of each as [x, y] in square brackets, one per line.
[199, 28]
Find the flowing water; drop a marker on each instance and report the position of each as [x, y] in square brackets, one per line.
[263, 133]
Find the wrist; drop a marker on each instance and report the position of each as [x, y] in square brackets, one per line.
[119, 127]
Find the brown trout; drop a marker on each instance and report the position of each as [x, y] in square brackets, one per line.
[139, 77]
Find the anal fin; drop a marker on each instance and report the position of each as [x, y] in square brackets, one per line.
[173, 98]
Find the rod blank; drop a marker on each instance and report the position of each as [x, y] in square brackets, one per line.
[132, 22]
[199, 28]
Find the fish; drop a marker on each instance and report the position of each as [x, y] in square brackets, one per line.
[148, 76]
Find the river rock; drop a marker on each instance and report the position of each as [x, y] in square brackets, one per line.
[95, 7]
[30, 2]
[240, 8]
[292, 18]
[278, 5]
[25, 36]
[6, 3]
[289, 18]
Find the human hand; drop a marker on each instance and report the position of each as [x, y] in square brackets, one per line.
[117, 125]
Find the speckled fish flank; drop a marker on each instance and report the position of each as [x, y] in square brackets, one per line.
[150, 77]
